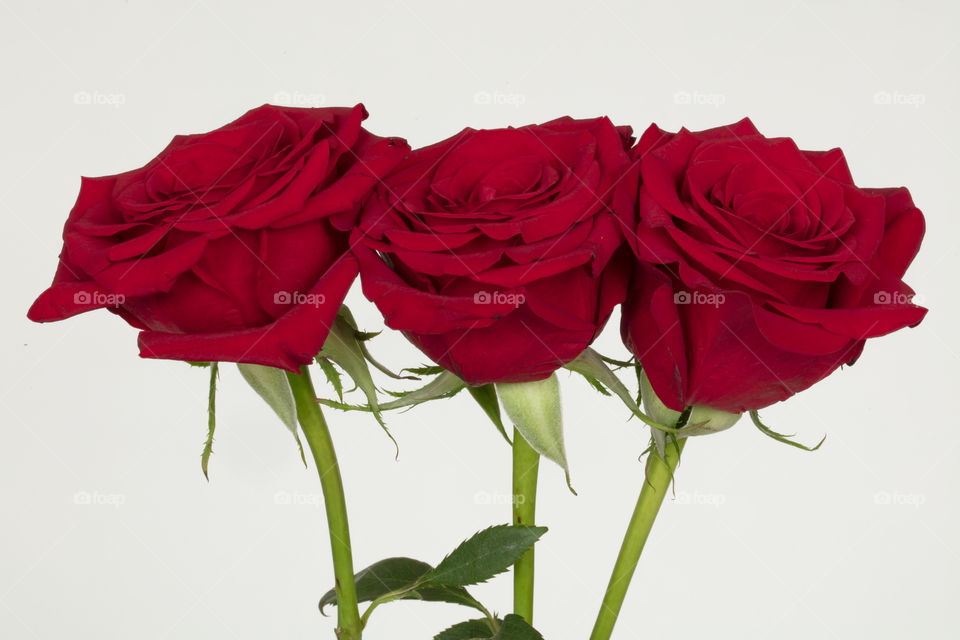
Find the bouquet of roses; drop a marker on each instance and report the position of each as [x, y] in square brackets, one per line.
[746, 268]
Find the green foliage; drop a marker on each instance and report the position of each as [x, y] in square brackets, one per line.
[401, 579]
[468, 630]
[516, 628]
[486, 554]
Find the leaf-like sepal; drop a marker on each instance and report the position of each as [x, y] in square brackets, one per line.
[486, 397]
[534, 408]
[272, 385]
[779, 437]
[211, 419]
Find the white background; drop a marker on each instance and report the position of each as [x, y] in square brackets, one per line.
[857, 540]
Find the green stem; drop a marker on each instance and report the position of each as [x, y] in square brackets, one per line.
[659, 474]
[318, 438]
[526, 463]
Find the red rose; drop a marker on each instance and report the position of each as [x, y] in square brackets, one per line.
[497, 248]
[229, 245]
[762, 268]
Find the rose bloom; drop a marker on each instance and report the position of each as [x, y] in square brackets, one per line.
[496, 252]
[761, 268]
[229, 245]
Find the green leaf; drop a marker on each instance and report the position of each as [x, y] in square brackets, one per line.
[198, 364]
[534, 408]
[486, 397]
[272, 385]
[211, 419]
[486, 554]
[402, 579]
[381, 578]
[469, 630]
[516, 628]
[333, 376]
[779, 437]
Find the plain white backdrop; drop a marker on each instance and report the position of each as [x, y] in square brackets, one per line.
[760, 540]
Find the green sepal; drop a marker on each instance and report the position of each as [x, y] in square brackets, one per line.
[425, 370]
[486, 397]
[779, 437]
[445, 385]
[211, 417]
[332, 375]
[534, 408]
[344, 347]
[592, 366]
[272, 385]
[362, 338]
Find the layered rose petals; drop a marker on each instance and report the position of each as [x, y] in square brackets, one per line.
[498, 252]
[761, 267]
[229, 245]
